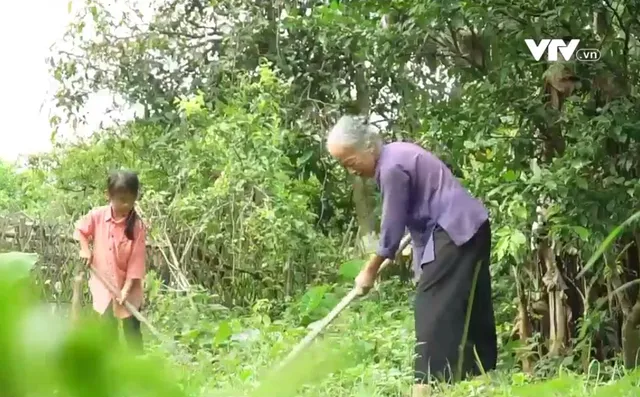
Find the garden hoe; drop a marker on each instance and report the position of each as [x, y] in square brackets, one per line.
[132, 309]
[322, 324]
[77, 294]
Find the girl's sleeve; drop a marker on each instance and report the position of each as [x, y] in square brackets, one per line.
[136, 268]
[85, 227]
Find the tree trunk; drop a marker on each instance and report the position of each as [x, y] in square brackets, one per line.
[524, 330]
[557, 313]
[362, 192]
[631, 337]
[559, 84]
[364, 214]
[523, 324]
[631, 327]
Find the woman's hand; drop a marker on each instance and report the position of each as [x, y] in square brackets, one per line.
[365, 280]
[368, 275]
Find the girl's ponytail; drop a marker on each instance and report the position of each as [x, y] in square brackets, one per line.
[131, 224]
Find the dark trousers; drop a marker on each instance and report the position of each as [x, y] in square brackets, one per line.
[442, 298]
[131, 329]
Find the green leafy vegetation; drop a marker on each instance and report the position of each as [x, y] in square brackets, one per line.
[256, 234]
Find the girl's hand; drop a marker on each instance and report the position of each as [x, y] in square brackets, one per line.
[124, 294]
[87, 255]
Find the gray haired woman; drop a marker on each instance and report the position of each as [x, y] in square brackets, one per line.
[451, 240]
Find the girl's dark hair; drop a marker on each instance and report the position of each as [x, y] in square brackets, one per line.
[125, 181]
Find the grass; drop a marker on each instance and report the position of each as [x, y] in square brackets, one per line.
[366, 352]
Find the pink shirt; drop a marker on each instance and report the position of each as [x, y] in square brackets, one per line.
[115, 257]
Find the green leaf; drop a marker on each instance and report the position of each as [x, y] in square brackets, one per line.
[551, 185]
[222, 334]
[305, 158]
[518, 238]
[582, 232]
[312, 298]
[535, 168]
[582, 183]
[510, 176]
[520, 211]
[349, 270]
[501, 248]
[607, 242]
[16, 265]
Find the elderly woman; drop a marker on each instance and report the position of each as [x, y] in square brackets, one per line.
[451, 241]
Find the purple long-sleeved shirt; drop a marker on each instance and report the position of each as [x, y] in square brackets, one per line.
[420, 192]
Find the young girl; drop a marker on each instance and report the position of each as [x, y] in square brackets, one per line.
[118, 254]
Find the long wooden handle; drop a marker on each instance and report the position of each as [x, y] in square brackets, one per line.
[304, 343]
[76, 298]
[132, 309]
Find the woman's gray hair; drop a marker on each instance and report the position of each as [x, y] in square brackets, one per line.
[352, 131]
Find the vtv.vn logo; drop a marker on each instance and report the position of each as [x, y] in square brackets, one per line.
[553, 46]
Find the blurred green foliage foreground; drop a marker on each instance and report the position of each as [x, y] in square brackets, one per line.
[44, 356]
